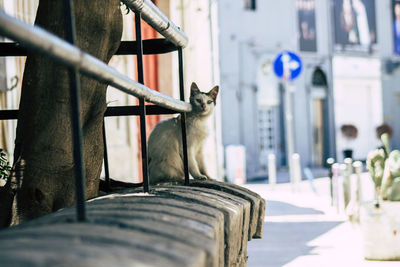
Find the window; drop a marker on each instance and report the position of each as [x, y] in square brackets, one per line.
[250, 4]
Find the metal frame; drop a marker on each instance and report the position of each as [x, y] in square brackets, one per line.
[155, 18]
[74, 89]
[34, 38]
[142, 109]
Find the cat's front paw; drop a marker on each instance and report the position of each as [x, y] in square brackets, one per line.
[201, 177]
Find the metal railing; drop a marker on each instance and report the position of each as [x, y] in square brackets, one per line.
[43, 42]
[34, 38]
[155, 18]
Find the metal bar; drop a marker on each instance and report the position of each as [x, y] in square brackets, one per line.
[139, 58]
[75, 118]
[158, 20]
[134, 110]
[12, 50]
[150, 47]
[183, 119]
[9, 114]
[289, 129]
[12, 114]
[35, 38]
[106, 169]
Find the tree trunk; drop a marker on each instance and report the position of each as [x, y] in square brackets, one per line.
[44, 137]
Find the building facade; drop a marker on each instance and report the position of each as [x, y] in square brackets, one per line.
[349, 75]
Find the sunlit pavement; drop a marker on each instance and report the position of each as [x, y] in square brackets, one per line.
[303, 229]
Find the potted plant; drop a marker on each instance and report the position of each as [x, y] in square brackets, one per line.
[4, 168]
[349, 132]
[380, 221]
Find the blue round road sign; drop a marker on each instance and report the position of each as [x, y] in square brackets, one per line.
[287, 65]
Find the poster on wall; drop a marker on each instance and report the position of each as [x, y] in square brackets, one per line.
[355, 26]
[306, 25]
[396, 26]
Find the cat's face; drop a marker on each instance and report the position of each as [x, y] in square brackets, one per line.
[203, 103]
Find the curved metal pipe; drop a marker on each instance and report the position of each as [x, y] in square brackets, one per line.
[36, 38]
[158, 20]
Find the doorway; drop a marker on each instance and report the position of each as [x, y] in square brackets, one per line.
[319, 118]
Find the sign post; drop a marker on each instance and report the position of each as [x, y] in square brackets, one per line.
[287, 67]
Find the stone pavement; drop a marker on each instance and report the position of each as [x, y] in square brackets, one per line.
[302, 229]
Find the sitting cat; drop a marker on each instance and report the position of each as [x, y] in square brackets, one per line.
[165, 141]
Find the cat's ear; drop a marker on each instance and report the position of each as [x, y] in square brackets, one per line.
[214, 93]
[194, 89]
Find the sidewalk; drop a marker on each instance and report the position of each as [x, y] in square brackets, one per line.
[303, 229]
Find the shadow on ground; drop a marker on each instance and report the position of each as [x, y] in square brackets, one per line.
[283, 242]
[278, 208]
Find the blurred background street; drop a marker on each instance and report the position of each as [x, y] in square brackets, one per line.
[302, 228]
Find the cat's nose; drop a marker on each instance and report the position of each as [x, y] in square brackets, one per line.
[203, 106]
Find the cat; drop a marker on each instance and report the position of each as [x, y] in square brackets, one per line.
[165, 141]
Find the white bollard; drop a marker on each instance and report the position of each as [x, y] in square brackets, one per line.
[357, 165]
[344, 195]
[353, 209]
[347, 180]
[347, 171]
[336, 186]
[272, 169]
[296, 169]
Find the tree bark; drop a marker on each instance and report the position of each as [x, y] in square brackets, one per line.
[44, 137]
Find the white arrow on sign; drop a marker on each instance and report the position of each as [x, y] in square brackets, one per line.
[289, 65]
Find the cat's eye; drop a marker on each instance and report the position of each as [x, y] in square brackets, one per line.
[198, 101]
[209, 102]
